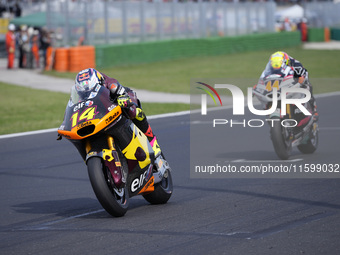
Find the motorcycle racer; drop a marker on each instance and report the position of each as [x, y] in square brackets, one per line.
[280, 61]
[126, 98]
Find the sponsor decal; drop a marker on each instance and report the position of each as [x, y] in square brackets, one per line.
[97, 88]
[138, 182]
[89, 103]
[83, 76]
[82, 104]
[111, 118]
[84, 124]
[111, 107]
[92, 153]
[148, 187]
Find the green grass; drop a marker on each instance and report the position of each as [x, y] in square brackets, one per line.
[174, 75]
[27, 109]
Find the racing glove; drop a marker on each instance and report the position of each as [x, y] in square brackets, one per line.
[299, 71]
[124, 101]
[300, 74]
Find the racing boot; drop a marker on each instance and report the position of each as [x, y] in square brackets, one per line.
[312, 101]
[314, 113]
[142, 123]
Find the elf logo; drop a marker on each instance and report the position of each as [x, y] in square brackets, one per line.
[138, 182]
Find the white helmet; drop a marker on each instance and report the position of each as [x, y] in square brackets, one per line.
[11, 27]
[87, 79]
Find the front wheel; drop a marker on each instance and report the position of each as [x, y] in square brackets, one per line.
[115, 201]
[163, 190]
[280, 139]
[312, 143]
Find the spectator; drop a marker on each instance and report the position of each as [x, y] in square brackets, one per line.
[286, 25]
[28, 49]
[10, 46]
[35, 48]
[304, 30]
[23, 42]
[45, 42]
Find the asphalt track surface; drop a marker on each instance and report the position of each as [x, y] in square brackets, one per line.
[48, 206]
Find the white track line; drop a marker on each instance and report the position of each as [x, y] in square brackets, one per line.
[47, 225]
[29, 133]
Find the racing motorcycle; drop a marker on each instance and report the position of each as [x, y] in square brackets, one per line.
[120, 160]
[294, 129]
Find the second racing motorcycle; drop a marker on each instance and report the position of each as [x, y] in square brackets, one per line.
[293, 129]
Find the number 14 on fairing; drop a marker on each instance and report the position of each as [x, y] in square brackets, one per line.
[87, 114]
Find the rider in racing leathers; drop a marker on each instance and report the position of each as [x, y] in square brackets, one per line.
[126, 98]
[281, 59]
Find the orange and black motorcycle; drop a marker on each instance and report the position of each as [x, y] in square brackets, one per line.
[120, 160]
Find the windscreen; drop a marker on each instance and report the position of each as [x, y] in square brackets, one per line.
[79, 96]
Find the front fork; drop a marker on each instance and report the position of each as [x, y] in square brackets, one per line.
[110, 159]
[287, 132]
[277, 112]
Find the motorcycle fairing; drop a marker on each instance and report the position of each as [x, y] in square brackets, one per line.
[140, 158]
[148, 187]
[139, 148]
[91, 127]
[88, 117]
[141, 182]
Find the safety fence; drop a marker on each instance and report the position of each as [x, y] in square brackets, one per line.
[122, 22]
[99, 22]
[322, 14]
[74, 59]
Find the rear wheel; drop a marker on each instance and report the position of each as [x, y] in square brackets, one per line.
[163, 190]
[115, 201]
[280, 139]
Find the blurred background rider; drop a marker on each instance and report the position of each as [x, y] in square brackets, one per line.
[280, 60]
